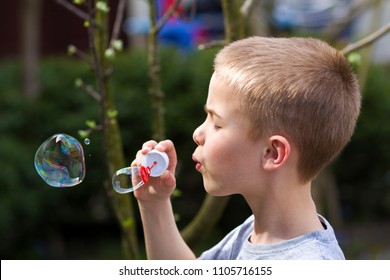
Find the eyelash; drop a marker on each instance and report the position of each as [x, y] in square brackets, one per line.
[214, 124]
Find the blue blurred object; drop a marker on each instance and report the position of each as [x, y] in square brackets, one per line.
[188, 35]
[309, 15]
[136, 25]
[205, 25]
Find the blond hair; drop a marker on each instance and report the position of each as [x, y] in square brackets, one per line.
[300, 88]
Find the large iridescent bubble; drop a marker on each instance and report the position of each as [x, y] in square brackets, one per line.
[60, 161]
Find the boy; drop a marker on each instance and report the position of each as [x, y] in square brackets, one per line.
[278, 110]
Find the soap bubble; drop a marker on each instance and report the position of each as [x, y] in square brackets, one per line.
[60, 161]
[87, 141]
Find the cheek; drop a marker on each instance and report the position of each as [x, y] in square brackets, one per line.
[224, 163]
[237, 162]
[219, 154]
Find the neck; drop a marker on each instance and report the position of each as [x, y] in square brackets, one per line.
[283, 212]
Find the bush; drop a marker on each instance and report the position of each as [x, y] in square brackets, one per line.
[38, 221]
[363, 169]
[33, 214]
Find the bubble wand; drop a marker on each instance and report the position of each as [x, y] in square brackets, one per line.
[153, 164]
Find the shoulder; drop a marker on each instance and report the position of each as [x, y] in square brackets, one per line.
[230, 246]
[317, 245]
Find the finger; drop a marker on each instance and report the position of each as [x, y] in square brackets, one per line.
[138, 157]
[148, 146]
[165, 146]
[168, 147]
[168, 179]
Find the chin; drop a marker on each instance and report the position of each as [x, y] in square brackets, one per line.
[215, 190]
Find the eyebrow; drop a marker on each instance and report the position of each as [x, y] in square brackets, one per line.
[211, 111]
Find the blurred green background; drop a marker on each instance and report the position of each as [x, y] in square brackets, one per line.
[38, 221]
[41, 222]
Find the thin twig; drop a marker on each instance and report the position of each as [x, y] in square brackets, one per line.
[89, 90]
[96, 59]
[89, 131]
[81, 14]
[83, 56]
[367, 40]
[166, 16]
[118, 20]
[73, 50]
[246, 7]
[355, 9]
[212, 44]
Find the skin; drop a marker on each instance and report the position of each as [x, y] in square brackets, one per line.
[262, 171]
[225, 157]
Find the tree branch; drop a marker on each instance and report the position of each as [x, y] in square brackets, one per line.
[88, 89]
[356, 8]
[203, 222]
[367, 40]
[80, 13]
[246, 7]
[118, 20]
[73, 50]
[96, 61]
[166, 16]
[212, 44]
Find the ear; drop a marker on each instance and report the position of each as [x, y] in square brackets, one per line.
[276, 153]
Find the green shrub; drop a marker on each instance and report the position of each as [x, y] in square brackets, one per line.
[38, 221]
[31, 212]
[363, 169]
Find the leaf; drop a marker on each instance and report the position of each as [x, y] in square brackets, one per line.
[111, 114]
[78, 83]
[129, 222]
[117, 45]
[83, 133]
[176, 193]
[78, 2]
[109, 53]
[102, 6]
[91, 124]
[71, 50]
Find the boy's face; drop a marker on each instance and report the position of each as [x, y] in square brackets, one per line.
[228, 160]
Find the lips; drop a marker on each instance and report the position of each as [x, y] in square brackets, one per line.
[198, 165]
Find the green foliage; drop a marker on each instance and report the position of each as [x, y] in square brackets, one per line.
[33, 214]
[39, 221]
[363, 169]
[31, 211]
[102, 6]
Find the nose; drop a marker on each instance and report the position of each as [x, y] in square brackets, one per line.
[198, 135]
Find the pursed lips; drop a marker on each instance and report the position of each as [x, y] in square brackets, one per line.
[198, 164]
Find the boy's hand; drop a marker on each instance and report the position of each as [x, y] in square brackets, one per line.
[160, 187]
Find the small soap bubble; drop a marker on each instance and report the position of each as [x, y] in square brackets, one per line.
[60, 161]
[87, 141]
